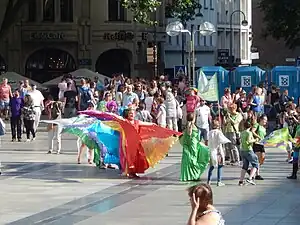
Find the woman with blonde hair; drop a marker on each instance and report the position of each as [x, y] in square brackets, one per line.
[203, 211]
[195, 155]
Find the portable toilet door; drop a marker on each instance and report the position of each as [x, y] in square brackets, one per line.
[287, 78]
[246, 76]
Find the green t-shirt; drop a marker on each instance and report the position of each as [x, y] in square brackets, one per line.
[260, 130]
[297, 131]
[247, 140]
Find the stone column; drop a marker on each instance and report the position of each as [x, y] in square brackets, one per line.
[57, 11]
[39, 10]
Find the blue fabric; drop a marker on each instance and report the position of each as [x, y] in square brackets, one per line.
[257, 101]
[110, 139]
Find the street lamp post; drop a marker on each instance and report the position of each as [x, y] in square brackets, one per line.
[205, 29]
[244, 23]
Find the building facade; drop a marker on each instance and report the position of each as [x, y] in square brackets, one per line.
[53, 37]
[205, 47]
[242, 35]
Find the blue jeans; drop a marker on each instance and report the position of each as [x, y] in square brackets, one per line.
[219, 173]
[249, 157]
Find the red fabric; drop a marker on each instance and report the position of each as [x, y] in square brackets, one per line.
[134, 159]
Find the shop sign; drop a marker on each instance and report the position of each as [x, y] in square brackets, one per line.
[119, 36]
[47, 36]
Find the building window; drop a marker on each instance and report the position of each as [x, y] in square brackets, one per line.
[66, 10]
[49, 10]
[32, 11]
[116, 12]
[204, 41]
[211, 41]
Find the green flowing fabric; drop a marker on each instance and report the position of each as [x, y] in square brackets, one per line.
[90, 143]
[195, 156]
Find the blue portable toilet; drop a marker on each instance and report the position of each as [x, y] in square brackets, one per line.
[222, 75]
[247, 76]
[287, 78]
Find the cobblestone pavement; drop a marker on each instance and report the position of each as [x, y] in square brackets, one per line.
[37, 188]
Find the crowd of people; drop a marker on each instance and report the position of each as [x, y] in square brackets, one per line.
[231, 129]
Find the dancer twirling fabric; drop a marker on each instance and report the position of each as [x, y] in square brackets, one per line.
[142, 144]
[195, 155]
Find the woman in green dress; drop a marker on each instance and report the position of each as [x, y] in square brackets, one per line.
[195, 155]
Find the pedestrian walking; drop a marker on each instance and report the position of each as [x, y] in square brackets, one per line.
[29, 115]
[16, 104]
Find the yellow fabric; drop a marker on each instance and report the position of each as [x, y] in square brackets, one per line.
[157, 148]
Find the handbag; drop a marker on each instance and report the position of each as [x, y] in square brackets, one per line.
[237, 136]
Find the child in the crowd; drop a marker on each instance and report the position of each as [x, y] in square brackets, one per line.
[16, 103]
[216, 139]
[161, 116]
[296, 155]
[102, 105]
[248, 155]
[28, 113]
[81, 146]
[54, 109]
[142, 114]
[259, 132]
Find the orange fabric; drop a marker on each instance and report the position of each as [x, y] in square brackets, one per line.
[145, 144]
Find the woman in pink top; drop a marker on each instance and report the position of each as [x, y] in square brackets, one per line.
[226, 100]
[192, 101]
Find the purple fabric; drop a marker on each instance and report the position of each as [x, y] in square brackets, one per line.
[16, 105]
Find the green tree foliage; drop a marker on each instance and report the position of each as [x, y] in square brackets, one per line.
[183, 10]
[142, 10]
[282, 19]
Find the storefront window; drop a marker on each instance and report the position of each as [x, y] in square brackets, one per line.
[116, 12]
[66, 10]
[32, 11]
[47, 64]
[49, 10]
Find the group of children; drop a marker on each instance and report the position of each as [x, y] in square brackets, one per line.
[196, 154]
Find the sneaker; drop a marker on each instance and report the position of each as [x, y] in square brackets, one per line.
[250, 181]
[20, 140]
[58, 152]
[33, 139]
[241, 183]
[13, 140]
[259, 177]
[209, 182]
[292, 177]
[49, 152]
[290, 161]
[28, 140]
[220, 184]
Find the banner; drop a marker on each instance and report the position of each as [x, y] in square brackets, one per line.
[202, 83]
[211, 93]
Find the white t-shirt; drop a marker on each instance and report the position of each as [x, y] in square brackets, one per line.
[148, 103]
[37, 97]
[162, 116]
[202, 117]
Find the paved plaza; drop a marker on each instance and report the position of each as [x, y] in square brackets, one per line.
[37, 188]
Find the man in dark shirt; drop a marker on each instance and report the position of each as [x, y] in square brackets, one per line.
[70, 99]
[16, 105]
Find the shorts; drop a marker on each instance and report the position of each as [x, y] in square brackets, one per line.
[249, 157]
[203, 133]
[4, 105]
[258, 148]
